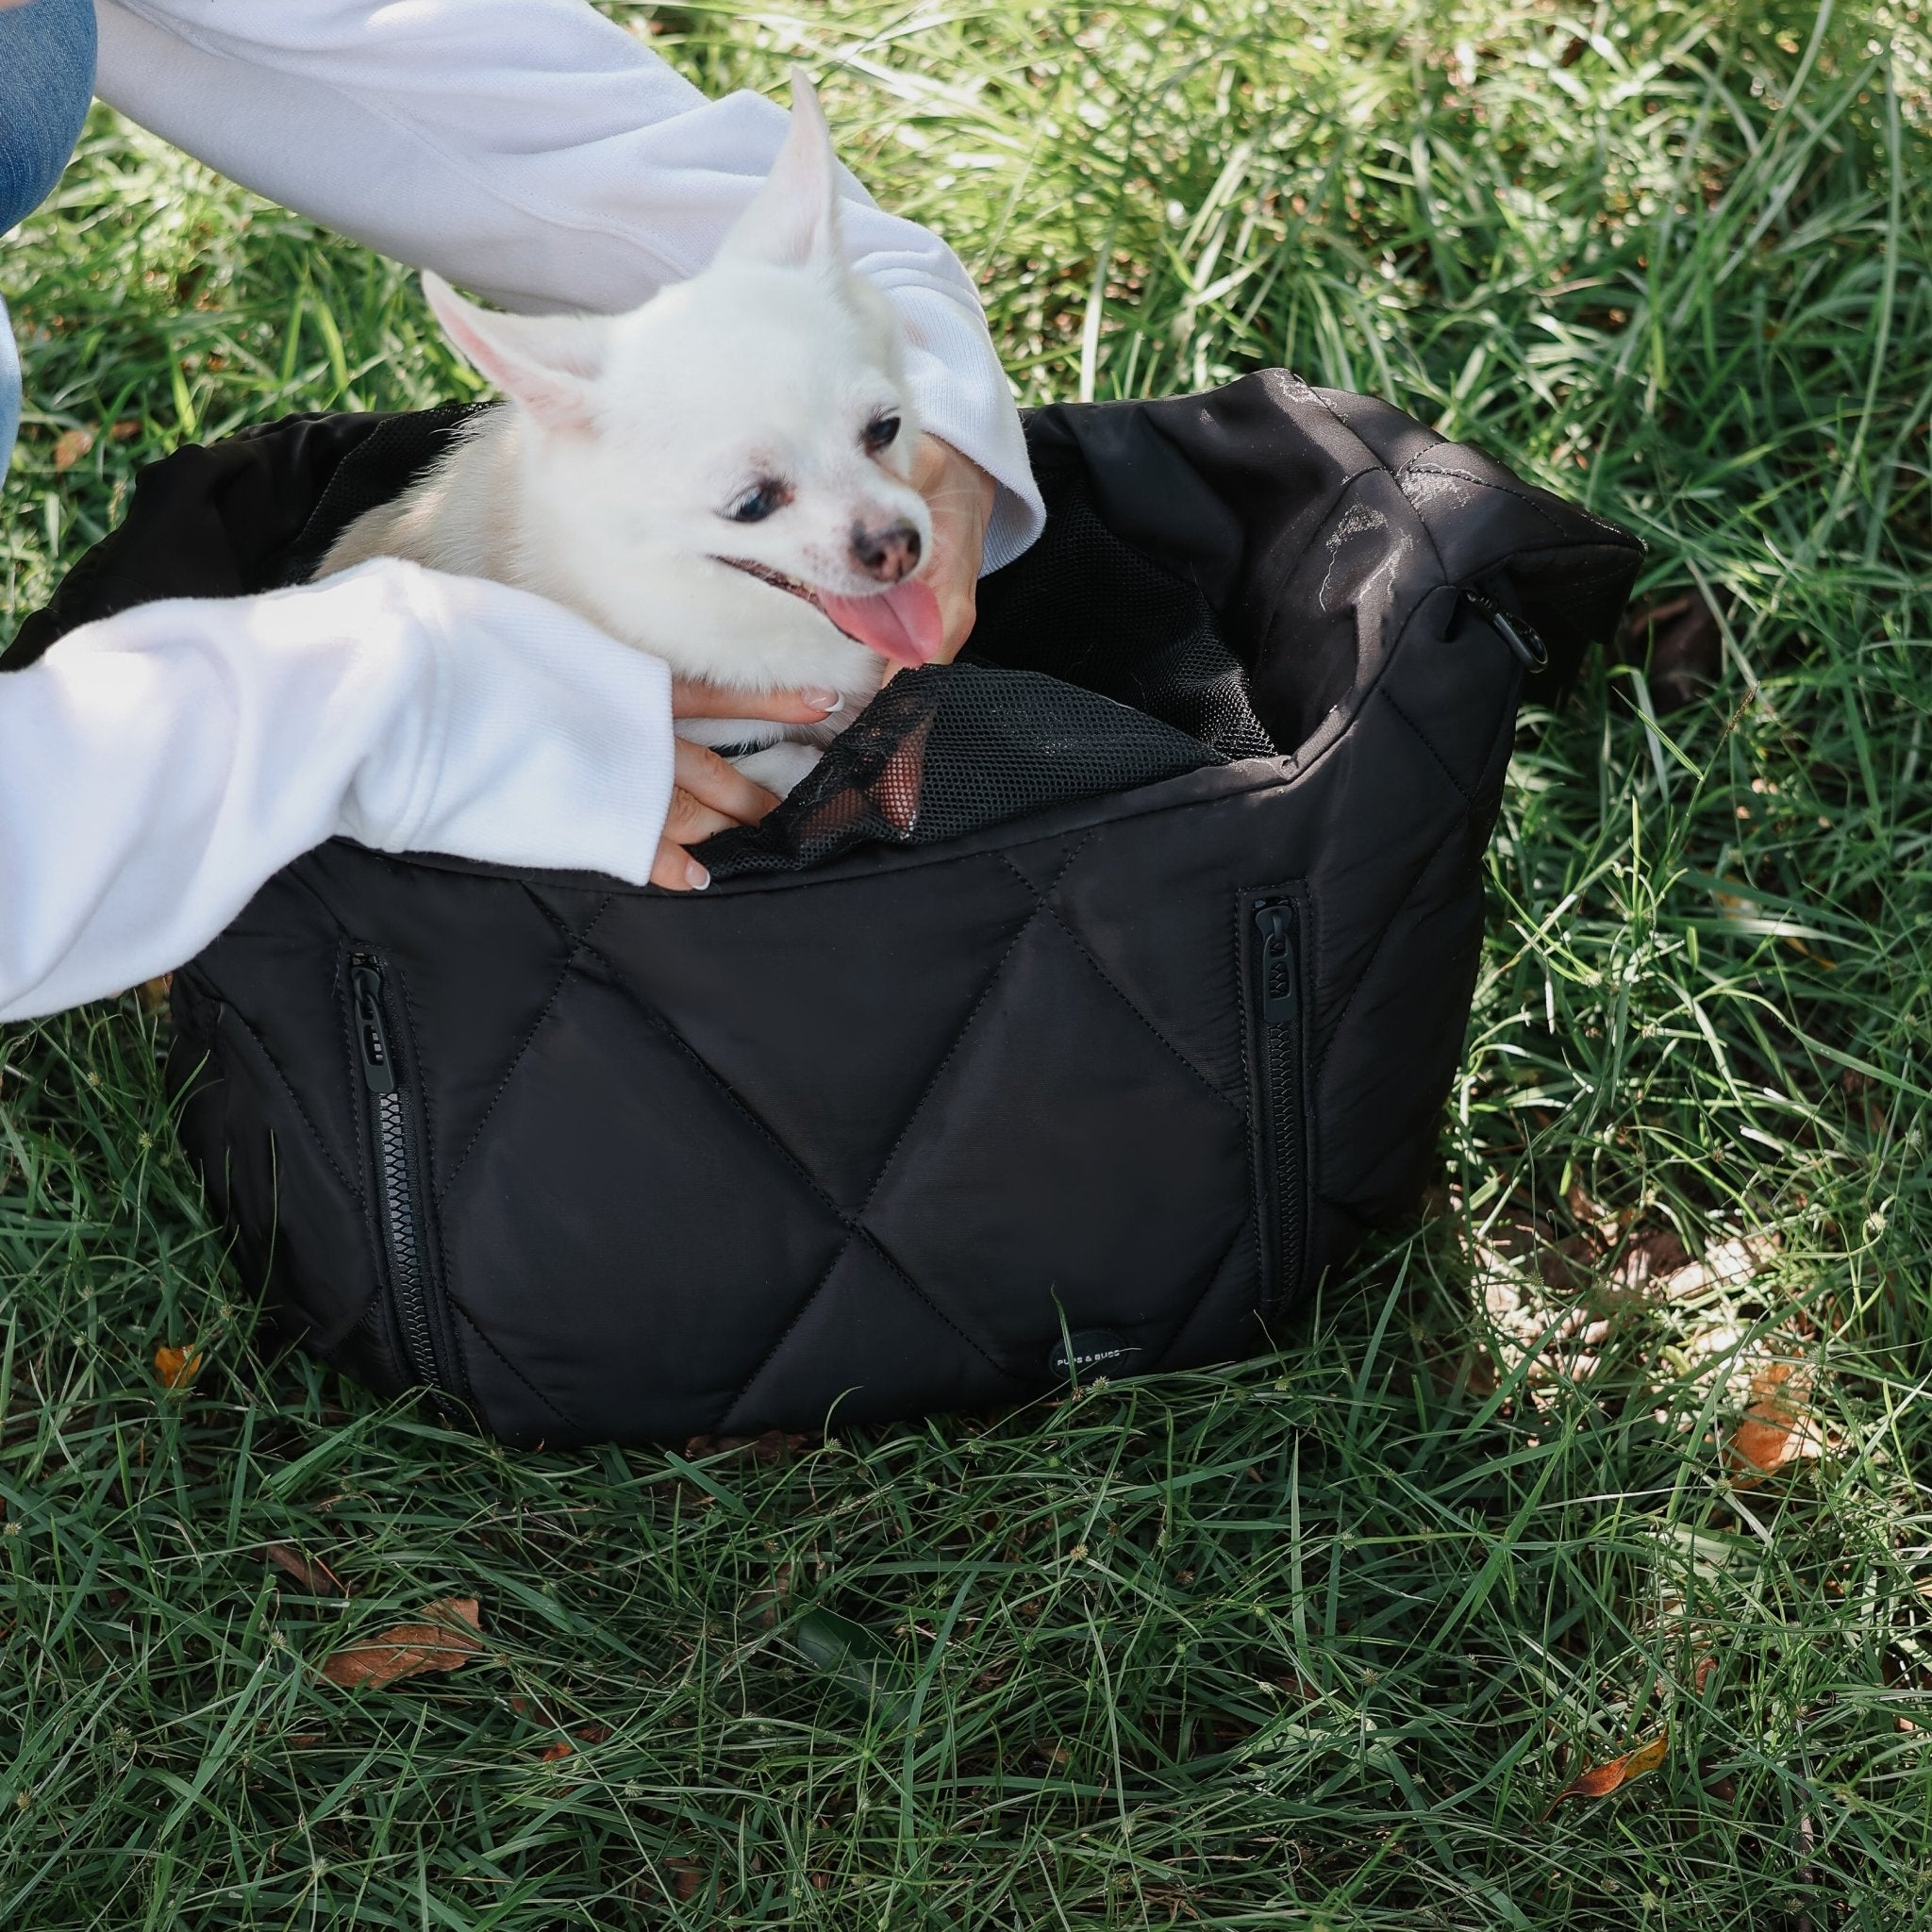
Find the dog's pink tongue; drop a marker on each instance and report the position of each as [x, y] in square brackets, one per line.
[903, 624]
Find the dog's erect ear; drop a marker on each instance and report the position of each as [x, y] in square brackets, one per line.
[546, 362]
[794, 219]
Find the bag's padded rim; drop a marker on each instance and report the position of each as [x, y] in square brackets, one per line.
[1213, 783]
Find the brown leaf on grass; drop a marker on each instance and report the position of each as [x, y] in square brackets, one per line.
[1600, 1780]
[685, 1875]
[153, 993]
[1587, 1215]
[125, 430]
[1772, 1432]
[562, 1747]
[70, 446]
[448, 1637]
[1677, 640]
[1653, 1255]
[177, 1368]
[311, 1573]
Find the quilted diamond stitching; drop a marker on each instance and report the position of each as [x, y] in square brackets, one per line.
[849, 1222]
[549, 1402]
[1368, 965]
[620, 983]
[1426, 742]
[1101, 972]
[515, 1060]
[853, 1231]
[1193, 1307]
[274, 1066]
[658, 1024]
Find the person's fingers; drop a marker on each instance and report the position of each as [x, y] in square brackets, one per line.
[709, 794]
[691, 697]
[691, 820]
[676, 870]
[716, 785]
[960, 498]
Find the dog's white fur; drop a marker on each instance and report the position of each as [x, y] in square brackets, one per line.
[608, 481]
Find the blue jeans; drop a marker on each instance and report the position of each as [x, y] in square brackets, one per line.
[46, 80]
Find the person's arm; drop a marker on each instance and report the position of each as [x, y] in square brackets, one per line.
[539, 154]
[158, 766]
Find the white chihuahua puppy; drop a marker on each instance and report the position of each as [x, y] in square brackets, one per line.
[719, 477]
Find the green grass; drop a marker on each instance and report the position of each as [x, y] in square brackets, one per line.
[1315, 1641]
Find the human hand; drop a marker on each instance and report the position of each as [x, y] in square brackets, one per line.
[960, 495]
[709, 793]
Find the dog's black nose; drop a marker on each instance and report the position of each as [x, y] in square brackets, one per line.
[888, 554]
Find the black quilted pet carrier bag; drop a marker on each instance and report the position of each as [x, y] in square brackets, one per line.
[1089, 1000]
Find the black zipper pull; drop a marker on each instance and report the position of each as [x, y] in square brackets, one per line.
[1518, 633]
[1277, 926]
[378, 1068]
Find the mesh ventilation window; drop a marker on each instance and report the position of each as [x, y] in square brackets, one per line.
[390, 458]
[949, 749]
[1083, 606]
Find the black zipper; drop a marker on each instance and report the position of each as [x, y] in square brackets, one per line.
[400, 1207]
[1516, 632]
[1281, 1151]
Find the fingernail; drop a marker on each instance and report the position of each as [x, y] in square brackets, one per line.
[696, 877]
[827, 701]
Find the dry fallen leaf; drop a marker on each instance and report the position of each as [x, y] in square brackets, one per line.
[1600, 1780]
[1770, 1432]
[1677, 642]
[177, 1367]
[72, 444]
[311, 1573]
[1652, 1257]
[448, 1637]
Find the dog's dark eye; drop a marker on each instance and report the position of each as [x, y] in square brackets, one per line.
[880, 432]
[760, 501]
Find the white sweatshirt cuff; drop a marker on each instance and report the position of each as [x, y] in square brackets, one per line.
[536, 740]
[961, 394]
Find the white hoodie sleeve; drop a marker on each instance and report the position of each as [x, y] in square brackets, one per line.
[155, 768]
[537, 153]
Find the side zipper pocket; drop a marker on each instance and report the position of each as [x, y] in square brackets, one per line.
[1274, 923]
[398, 1171]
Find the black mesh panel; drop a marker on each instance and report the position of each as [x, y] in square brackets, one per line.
[1085, 606]
[948, 749]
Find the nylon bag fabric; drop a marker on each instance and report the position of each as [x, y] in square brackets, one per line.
[1087, 1003]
